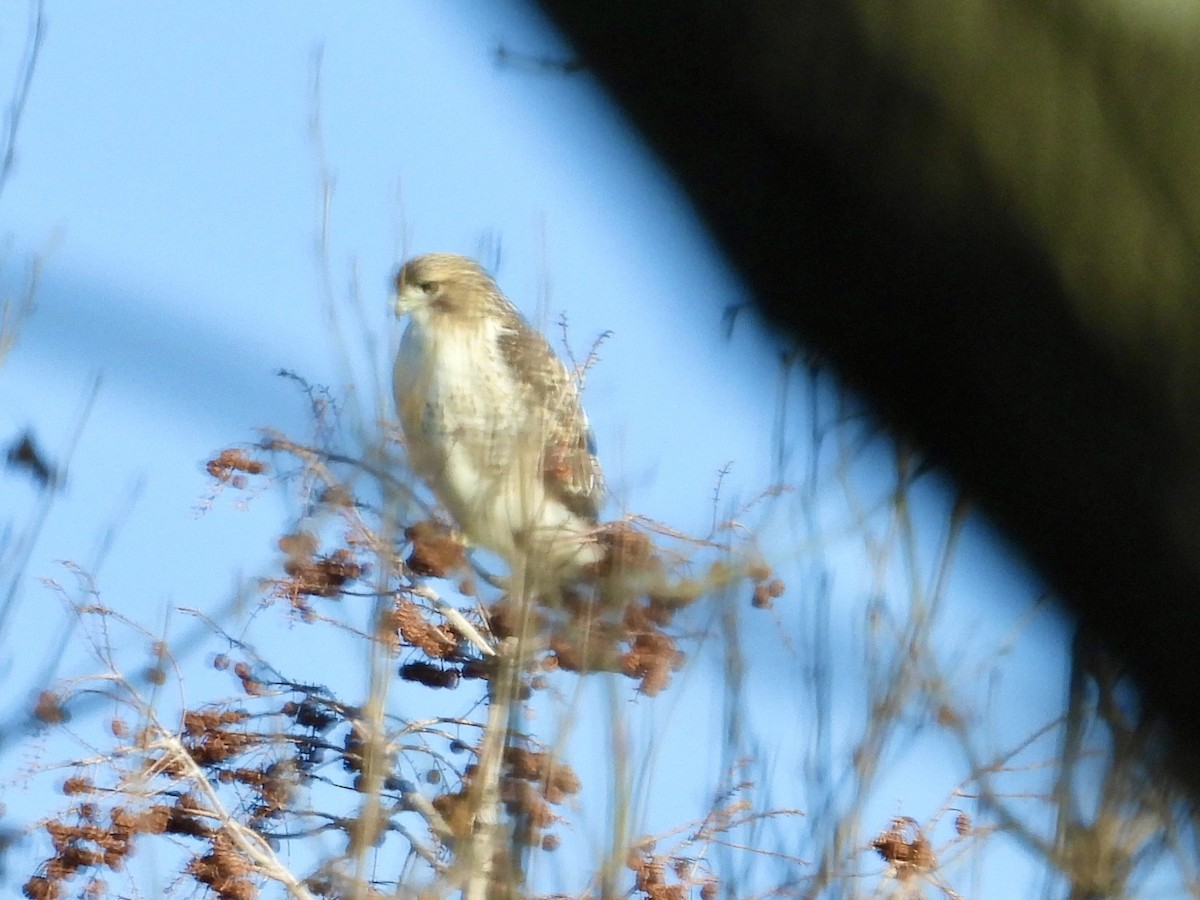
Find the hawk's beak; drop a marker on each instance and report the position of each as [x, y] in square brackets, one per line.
[408, 298]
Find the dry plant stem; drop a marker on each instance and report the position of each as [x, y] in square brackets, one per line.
[314, 462]
[504, 693]
[249, 842]
[376, 760]
[325, 179]
[438, 825]
[623, 792]
[13, 315]
[15, 557]
[892, 694]
[819, 757]
[20, 94]
[480, 857]
[15, 312]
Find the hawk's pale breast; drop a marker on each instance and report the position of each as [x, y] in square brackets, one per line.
[492, 417]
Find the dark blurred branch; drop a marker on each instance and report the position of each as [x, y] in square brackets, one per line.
[946, 232]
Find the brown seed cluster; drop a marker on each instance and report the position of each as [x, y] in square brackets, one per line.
[595, 634]
[435, 641]
[314, 575]
[767, 588]
[531, 782]
[250, 684]
[632, 642]
[224, 871]
[627, 553]
[228, 466]
[557, 778]
[49, 709]
[208, 738]
[90, 845]
[274, 786]
[436, 550]
[233, 753]
[962, 824]
[446, 662]
[659, 877]
[766, 593]
[905, 848]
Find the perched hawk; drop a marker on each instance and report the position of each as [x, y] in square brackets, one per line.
[492, 419]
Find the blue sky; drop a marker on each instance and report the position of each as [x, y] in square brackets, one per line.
[167, 172]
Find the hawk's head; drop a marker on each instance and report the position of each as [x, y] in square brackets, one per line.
[444, 284]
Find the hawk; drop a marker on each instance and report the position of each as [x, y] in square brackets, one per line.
[492, 419]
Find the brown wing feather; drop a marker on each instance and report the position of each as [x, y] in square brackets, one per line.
[569, 465]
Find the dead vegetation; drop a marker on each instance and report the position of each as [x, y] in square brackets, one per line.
[244, 786]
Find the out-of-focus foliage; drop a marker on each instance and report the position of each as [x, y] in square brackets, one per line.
[1083, 115]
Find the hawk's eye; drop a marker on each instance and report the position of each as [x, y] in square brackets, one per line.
[428, 287]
